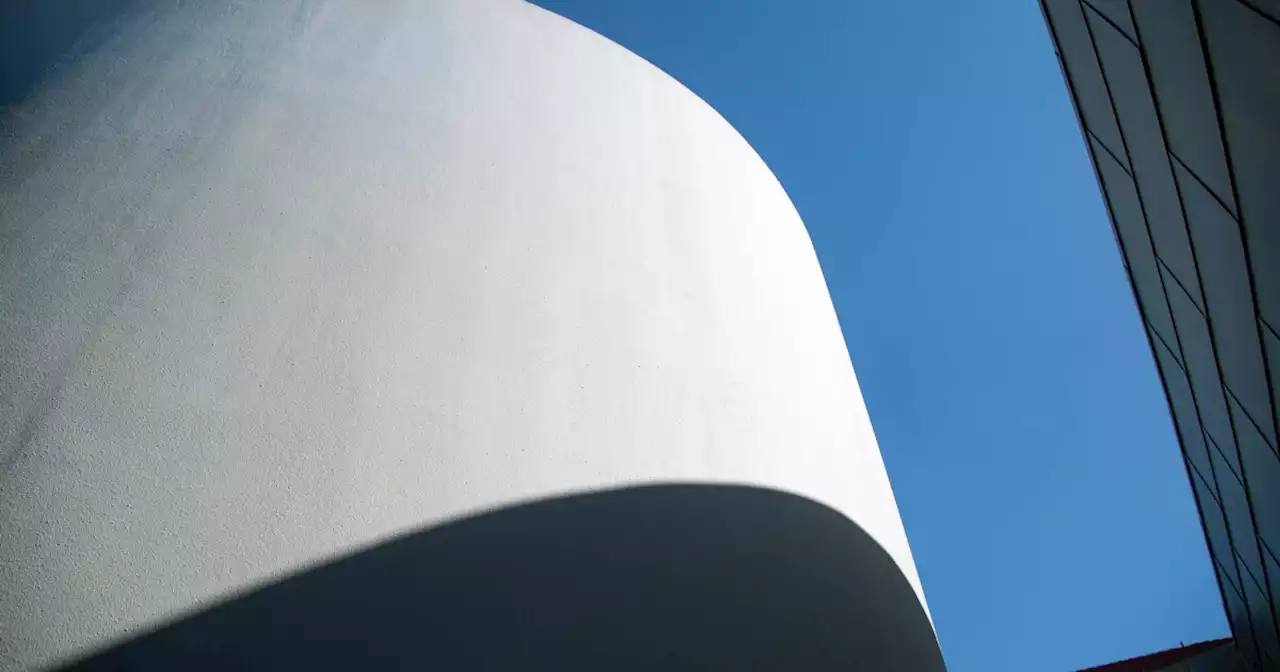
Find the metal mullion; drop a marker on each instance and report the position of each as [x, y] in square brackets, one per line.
[1259, 11]
[1264, 323]
[1266, 547]
[1172, 350]
[1115, 25]
[1249, 416]
[1212, 194]
[1112, 154]
[1178, 281]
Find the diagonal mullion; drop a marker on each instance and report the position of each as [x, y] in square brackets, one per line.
[1259, 11]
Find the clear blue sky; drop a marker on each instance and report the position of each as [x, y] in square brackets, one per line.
[931, 149]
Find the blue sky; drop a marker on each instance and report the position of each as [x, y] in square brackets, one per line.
[932, 151]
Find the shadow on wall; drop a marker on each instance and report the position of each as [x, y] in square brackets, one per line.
[37, 35]
[658, 577]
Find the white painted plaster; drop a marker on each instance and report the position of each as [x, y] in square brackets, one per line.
[282, 279]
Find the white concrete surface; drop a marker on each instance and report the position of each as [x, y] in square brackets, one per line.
[282, 279]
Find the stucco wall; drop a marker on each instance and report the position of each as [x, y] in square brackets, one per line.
[281, 279]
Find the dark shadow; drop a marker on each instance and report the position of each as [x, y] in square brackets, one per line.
[648, 578]
[37, 35]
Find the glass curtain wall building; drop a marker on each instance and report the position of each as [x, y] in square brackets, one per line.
[1180, 108]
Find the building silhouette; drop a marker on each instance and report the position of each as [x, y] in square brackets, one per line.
[1180, 107]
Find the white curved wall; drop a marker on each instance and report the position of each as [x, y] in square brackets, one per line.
[285, 278]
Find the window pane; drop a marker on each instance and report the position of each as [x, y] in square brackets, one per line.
[1264, 627]
[1269, 7]
[1184, 411]
[1274, 568]
[1169, 36]
[1123, 69]
[1117, 11]
[1067, 23]
[1236, 507]
[1127, 216]
[1272, 349]
[1193, 332]
[1244, 48]
[1262, 471]
[1241, 626]
[1215, 529]
[1230, 300]
[1222, 456]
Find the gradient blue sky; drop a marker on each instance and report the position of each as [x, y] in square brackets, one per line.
[932, 151]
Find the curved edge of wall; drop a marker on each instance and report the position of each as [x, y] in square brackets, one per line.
[905, 555]
[236, 228]
[657, 577]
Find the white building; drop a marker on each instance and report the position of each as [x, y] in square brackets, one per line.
[284, 280]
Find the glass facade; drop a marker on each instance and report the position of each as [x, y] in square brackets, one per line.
[1179, 102]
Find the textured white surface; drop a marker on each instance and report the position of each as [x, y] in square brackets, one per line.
[281, 279]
